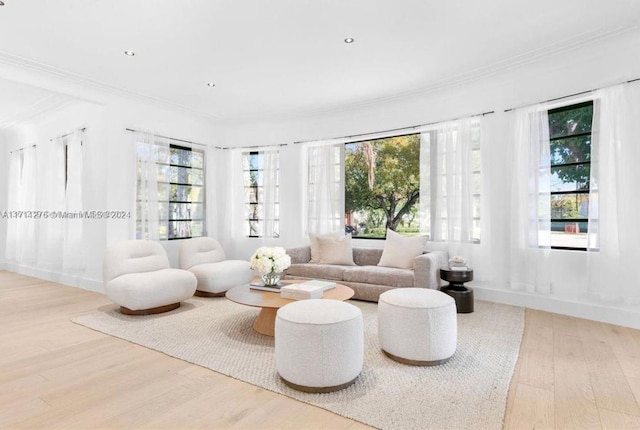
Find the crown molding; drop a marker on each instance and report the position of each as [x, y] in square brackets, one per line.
[103, 87]
[456, 80]
[449, 82]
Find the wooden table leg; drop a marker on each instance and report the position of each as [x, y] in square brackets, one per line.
[266, 322]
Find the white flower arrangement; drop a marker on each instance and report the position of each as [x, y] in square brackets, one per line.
[270, 260]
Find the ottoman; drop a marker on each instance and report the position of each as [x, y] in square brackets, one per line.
[417, 326]
[319, 345]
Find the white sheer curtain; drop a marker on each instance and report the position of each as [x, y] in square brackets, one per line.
[27, 228]
[149, 151]
[213, 223]
[237, 212]
[51, 190]
[448, 184]
[614, 237]
[325, 188]
[530, 214]
[232, 226]
[47, 180]
[253, 197]
[13, 203]
[270, 177]
[73, 249]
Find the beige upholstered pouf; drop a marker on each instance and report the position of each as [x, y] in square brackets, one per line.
[319, 344]
[417, 326]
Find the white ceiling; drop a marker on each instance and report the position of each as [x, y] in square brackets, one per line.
[287, 57]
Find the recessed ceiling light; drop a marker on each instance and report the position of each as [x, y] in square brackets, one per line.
[349, 40]
[129, 53]
[211, 84]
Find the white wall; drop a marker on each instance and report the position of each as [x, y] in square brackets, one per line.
[61, 121]
[3, 204]
[606, 62]
[121, 184]
[109, 169]
[112, 180]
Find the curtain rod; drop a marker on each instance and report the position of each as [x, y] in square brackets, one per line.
[23, 148]
[253, 146]
[68, 134]
[413, 127]
[572, 95]
[50, 140]
[174, 139]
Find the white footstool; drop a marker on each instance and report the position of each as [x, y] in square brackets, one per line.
[417, 326]
[319, 345]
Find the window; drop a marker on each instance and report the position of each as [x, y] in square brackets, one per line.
[570, 153]
[261, 190]
[382, 186]
[452, 181]
[180, 188]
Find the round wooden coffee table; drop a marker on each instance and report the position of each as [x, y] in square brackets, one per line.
[270, 302]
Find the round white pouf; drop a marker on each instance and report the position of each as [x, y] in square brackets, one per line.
[417, 326]
[319, 345]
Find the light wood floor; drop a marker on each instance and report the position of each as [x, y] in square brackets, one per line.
[572, 373]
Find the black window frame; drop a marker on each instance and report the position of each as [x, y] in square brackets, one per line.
[344, 185]
[256, 189]
[166, 216]
[586, 191]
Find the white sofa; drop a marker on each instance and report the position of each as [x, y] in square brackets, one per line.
[367, 279]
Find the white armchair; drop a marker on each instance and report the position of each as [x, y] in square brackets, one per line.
[138, 277]
[205, 258]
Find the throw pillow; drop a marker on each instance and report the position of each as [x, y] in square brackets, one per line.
[400, 251]
[315, 245]
[336, 251]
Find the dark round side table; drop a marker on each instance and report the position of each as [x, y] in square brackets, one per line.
[456, 289]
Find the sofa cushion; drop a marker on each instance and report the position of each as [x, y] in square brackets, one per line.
[199, 250]
[367, 256]
[379, 276]
[315, 244]
[336, 251]
[400, 251]
[221, 276]
[320, 271]
[147, 290]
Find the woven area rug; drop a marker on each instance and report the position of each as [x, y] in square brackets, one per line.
[469, 391]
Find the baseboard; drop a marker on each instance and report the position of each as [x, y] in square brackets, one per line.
[54, 276]
[623, 316]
